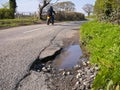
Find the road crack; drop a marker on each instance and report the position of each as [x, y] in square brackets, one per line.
[37, 64]
[18, 84]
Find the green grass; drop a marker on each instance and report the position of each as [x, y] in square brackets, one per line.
[102, 40]
[17, 22]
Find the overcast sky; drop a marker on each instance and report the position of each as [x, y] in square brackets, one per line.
[32, 5]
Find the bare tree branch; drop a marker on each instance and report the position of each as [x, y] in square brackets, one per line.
[88, 8]
[44, 4]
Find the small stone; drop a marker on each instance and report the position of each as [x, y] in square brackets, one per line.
[88, 72]
[38, 70]
[79, 71]
[86, 69]
[97, 68]
[77, 66]
[92, 76]
[78, 75]
[68, 73]
[77, 83]
[82, 87]
[44, 69]
[91, 70]
[50, 80]
[88, 78]
[49, 66]
[84, 83]
[48, 69]
[64, 73]
[80, 79]
[84, 63]
[88, 62]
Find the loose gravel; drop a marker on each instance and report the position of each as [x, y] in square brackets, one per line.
[78, 78]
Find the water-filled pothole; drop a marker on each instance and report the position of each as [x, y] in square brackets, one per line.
[39, 63]
[69, 57]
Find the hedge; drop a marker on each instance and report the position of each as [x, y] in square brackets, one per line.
[6, 14]
[61, 15]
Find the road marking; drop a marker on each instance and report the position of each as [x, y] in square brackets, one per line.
[31, 30]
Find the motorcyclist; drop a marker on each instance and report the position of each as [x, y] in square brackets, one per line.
[51, 13]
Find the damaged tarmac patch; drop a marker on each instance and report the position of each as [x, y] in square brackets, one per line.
[48, 55]
[37, 76]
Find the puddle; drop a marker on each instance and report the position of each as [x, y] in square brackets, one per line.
[68, 58]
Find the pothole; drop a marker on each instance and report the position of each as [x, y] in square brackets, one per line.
[39, 63]
[69, 57]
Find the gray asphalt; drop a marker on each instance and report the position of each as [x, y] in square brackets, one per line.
[20, 46]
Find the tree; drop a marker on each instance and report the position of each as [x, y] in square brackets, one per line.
[5, 5]
[42, 5]
[65, 6]
[88, 8]
[12, 4]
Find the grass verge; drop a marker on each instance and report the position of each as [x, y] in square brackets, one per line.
[102, 40]
[17, 22]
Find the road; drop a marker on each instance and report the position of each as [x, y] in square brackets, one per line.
[20, 46]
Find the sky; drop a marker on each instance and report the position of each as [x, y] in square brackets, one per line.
[32, 5]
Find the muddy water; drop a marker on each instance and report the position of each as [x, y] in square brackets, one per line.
[69, 57]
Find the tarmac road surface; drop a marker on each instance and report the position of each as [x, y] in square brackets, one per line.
[20, 46]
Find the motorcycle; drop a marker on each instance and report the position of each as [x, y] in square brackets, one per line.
[50, 19]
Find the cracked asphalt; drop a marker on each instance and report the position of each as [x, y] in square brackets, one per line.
[19, 48]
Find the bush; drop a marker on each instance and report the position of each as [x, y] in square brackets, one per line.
[61, 16]
[6, 14]
[108, 11]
